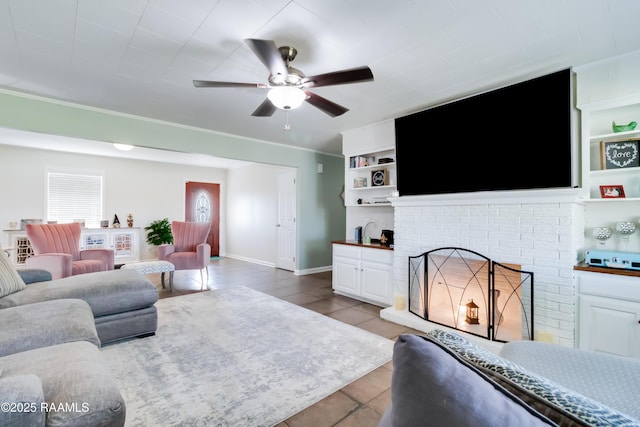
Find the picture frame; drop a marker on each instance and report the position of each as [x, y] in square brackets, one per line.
[612, 191]
[360, 182]
[26, 221]
[379, 177]
[620, 154]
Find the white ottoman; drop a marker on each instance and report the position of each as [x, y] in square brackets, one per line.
[150, 267]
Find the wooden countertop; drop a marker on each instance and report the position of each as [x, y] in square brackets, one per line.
[362, 245]
[583, 266]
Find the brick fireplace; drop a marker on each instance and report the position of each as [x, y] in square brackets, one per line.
[540, 230]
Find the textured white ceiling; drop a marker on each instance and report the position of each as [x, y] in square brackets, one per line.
[141, 56]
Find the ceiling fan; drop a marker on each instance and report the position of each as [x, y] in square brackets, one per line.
[288, 86]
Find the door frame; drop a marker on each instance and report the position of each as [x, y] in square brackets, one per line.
[290, 265]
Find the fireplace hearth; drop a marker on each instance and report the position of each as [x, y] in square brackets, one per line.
[467, 291]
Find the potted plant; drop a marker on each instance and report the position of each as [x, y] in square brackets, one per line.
[159, 232]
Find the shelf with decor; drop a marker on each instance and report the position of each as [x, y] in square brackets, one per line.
[370, 178]
[624, 182]
[613, 157]
[369, 144]
[610, 172]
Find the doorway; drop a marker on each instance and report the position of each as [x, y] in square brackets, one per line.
[287, 201]
[202, 204]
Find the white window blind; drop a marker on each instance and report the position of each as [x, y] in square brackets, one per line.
[74, 197]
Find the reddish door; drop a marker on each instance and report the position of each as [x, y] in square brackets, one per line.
[202, 204]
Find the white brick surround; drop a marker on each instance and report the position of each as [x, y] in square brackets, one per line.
[543, 231]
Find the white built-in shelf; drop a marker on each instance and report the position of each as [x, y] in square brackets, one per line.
[615, 135]
[376, 166]
[375, 187]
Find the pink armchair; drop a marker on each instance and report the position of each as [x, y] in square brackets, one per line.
[56, 248]
[190, 250]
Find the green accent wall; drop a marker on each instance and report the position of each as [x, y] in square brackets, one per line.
[321, 213]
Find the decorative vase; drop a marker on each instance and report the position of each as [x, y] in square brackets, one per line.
[602, 234]
[625, 229]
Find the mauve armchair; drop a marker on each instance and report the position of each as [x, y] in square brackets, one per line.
[190, 250]
[56, 248]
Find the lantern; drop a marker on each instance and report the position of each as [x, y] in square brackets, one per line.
[471, 313]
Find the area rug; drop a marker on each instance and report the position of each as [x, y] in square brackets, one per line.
[238, 357]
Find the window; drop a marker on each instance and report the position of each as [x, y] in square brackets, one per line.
[74, 197]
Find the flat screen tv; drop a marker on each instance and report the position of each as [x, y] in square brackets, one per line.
[517, 137]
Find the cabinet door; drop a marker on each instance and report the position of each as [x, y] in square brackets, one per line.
[346, 275]
[609, 325]
[377, 282]
[124, 245]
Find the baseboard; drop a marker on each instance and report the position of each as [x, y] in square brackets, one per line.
[312, 270]
[252, 260]
[273, 265]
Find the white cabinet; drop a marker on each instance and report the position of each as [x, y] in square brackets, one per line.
[125, 243]
[363, 273]
[346, 273]
[609, 313]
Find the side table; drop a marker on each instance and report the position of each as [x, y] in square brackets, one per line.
[150, 267]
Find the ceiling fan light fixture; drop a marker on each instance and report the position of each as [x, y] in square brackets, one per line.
[286, 97]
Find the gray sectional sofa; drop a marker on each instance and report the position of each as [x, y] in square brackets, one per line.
[51, 369]
[442, 379]
[122, 301]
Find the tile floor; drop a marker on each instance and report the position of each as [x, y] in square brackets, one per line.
[359, 404]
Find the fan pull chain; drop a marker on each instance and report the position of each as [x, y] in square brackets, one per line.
[287, 126]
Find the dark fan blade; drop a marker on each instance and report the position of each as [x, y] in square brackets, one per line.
[354, 75]
[268, 53]
[266, 109]
[331, 108]
[207, 83]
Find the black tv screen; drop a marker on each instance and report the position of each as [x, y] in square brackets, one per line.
[514, 138]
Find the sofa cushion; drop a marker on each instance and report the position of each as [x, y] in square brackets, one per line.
[107, 292]
[46, 323]
[33, 275]
[10, 280]
[560, 404]
[433, 386]
[25, 396]
[613, 380]
[77, 385]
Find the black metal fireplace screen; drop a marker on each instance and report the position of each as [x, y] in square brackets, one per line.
[467, 291]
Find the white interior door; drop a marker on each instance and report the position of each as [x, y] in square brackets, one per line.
[287, 220]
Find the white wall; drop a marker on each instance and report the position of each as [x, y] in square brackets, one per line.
[148, 190]
[253, 213]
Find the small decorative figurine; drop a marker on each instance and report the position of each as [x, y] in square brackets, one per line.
[130, 220]
[116, 221]
[623, 128]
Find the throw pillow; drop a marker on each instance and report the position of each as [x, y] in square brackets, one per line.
[433, 386]
[10, 280]
[561, 405]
